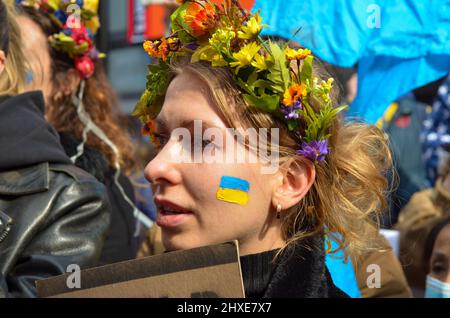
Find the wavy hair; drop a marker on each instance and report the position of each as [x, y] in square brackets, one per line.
[99, 101]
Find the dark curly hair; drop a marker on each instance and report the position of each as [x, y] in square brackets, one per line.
[99, 100]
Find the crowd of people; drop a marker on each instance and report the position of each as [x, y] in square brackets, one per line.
[71, 164]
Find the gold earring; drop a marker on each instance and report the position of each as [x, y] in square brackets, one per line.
[279, 208]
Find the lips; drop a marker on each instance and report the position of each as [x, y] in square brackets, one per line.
[171, 215]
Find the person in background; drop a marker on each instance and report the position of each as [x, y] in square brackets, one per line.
[143, 153]
[416, 220]
[435, 137]
[52, 214]
[437, 261]
[65, 64]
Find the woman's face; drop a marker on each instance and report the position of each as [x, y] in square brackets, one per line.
[191, 189]
[440, 259]
[36, 51]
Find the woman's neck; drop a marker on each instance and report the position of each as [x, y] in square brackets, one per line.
[268, 239]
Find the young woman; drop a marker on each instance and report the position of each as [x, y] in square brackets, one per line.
[216, 73]
[52, 214]
[65, 72]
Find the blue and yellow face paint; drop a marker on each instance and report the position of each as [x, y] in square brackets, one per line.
[233, 190]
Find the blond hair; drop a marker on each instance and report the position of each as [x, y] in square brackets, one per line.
[13, 78]
[349, 192]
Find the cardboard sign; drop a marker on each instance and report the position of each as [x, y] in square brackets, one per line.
[207, 272]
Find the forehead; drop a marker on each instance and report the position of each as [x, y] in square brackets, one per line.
[188, 98]
[442, 244]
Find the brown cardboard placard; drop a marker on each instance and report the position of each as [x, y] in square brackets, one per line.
[212, 271]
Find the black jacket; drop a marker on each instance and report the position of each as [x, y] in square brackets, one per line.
[300, 272]
[52, 213]
[121, 244]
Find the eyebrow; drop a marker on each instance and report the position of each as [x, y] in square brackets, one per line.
[439, 256]
[187, 123]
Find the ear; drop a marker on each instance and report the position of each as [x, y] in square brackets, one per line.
[295, 182]
[2, 60]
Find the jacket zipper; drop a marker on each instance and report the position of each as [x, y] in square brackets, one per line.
[5, 226]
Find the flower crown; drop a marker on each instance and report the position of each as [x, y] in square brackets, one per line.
[229, 36]
[79, 22]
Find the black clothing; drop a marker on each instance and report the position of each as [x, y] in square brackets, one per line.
[299, 272]
[52, 214]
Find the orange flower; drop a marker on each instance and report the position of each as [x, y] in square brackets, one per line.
[149, 129]
[201, 18]
[151, 47]
[293, 94]
[157, 49]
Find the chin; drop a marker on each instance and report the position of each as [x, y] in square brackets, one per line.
[180, 241]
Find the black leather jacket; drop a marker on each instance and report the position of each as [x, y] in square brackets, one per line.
[52, 214]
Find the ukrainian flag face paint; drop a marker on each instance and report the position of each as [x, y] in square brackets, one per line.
[234, 190]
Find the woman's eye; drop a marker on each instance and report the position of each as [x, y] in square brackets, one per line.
[206, 143]
[438, 268]
[202, 144]
[162, 140]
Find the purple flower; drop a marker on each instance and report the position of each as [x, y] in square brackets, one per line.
[315, 150]
[291, 112]
[192, 46]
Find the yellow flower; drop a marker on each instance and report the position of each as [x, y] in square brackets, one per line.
[91, 5]
[299, 54]
[260, 62]
[245, 56]
[93, 24]
[221, 39]
[210, 54]
[293, 94]
[328, 85]
[324, 89]
[251, 28]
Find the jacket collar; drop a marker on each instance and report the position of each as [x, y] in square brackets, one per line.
[301, 272]
[26, 138]
[29, 180]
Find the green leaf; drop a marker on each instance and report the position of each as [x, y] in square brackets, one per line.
[204, 49]
[179, 24]
[307, 70]
[279, 72]
[292, 125]
[151, 101]
[266, 103]
[252, 78]
[262, 84]
[245, 86]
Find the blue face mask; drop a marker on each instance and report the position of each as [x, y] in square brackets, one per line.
[436, 289]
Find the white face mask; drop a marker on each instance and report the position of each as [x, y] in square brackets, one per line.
[436, 289]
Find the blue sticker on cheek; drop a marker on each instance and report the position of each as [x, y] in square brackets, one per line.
[233, 190]
[29, 77]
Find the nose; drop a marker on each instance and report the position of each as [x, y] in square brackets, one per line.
[163, 169]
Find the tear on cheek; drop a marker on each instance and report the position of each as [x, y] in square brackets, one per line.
[233, 190]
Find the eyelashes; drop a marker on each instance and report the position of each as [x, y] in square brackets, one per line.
[164, 139]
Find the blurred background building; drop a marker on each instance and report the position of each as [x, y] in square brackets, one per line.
[125, 25]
